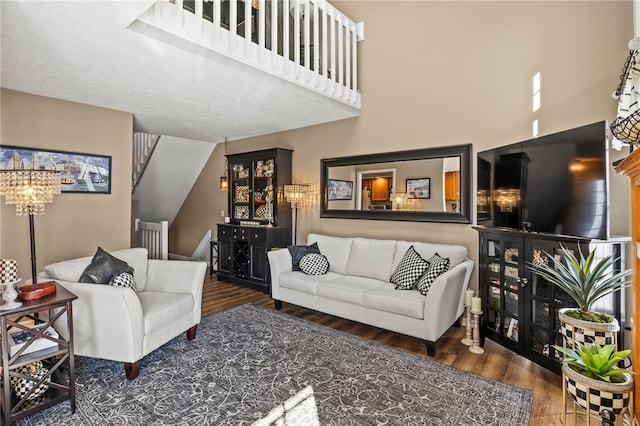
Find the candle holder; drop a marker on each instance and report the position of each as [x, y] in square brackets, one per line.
[468, 341]
[475, 348]
[9, 296]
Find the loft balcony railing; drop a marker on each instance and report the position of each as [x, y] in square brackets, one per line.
[307, 42]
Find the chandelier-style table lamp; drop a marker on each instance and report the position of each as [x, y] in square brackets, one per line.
[29, 190]
[296, 194]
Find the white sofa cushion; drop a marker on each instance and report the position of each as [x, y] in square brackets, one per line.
[348, 288]
[456, 254]
[297, 280]
[336, 249]
[68, 270]
[161, 309]
[371, 258]
[387, 298]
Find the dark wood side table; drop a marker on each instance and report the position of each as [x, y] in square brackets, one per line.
[61, 382]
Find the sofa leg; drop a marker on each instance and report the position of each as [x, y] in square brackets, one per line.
[277, 304]
[431, 348]
[191, 333]
[132, 369]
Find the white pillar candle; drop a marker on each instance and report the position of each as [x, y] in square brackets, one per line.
[476, 304]
[467, 297]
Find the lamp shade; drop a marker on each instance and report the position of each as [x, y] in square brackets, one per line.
[296, 193]
[224, 183]
[29, 190]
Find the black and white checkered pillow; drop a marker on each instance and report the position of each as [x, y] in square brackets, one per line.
[410, 268]
[314, 264]
[124, 279]
[437, 266]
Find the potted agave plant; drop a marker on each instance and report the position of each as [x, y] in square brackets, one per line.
[585, 281]
[592, 372]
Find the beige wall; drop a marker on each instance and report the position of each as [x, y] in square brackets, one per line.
[74, 224]
[441, 73]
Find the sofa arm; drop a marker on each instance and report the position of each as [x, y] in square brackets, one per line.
[279, 262]
[107, 321]
[445, 300]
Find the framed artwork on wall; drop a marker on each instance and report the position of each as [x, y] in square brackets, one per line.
[419, 188]
[79, 173]
[339, 189]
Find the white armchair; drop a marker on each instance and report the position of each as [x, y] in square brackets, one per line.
[115, 323]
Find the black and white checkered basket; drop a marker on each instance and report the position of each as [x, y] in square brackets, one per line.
[22, 386]
[597, 394]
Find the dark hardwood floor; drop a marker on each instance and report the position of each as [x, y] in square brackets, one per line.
[496, 363]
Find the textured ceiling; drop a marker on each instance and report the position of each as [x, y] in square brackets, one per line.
[83, 51]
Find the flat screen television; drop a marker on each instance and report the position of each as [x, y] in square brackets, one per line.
[555, 184]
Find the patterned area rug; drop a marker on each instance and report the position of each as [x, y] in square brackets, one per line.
[250, 365]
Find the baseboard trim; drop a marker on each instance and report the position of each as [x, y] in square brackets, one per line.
[173, 256]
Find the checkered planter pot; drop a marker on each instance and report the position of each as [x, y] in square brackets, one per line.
[586, 332]
[597, 394]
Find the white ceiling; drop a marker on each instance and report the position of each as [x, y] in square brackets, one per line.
[83, 51]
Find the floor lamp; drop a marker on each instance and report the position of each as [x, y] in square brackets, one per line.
[296, 194]
[29, 190]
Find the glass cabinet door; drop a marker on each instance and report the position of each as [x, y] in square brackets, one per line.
[253, 195]
[240, 190]
[543, 301]
[503, 283]
[255, 179]
[263, 197]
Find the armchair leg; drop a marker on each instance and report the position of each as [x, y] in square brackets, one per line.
[191, 333]
[277, 304]
[132, 369]
[431, 348]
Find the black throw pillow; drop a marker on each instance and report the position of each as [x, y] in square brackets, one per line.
[103, 267]
[298, 252]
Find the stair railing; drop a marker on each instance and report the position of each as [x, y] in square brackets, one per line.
[308, 42]
[143, 146]
[154, 236]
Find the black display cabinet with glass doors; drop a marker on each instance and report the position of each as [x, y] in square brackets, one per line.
[259, 216]
[520, 309]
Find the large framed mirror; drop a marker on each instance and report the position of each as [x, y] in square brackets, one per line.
[421, 185]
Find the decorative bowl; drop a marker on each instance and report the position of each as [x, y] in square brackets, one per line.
[36, 291]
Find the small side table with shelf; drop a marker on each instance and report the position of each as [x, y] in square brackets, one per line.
[61, 381]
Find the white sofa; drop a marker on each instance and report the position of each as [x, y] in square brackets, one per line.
[357, 285]
[117, 324]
